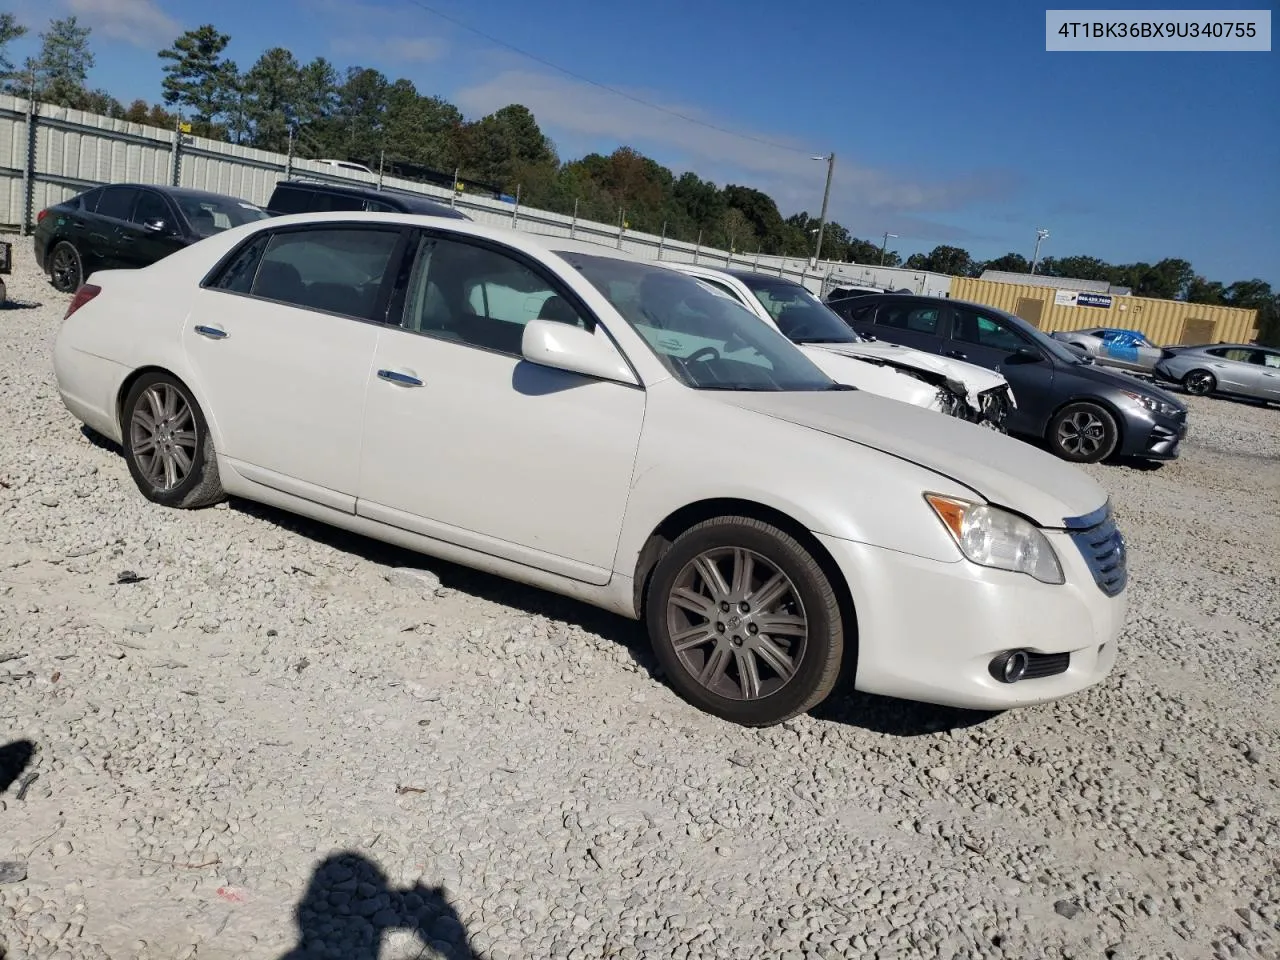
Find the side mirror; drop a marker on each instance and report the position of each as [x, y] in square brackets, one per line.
[550, 343]
[1026, 355]
[155, 226]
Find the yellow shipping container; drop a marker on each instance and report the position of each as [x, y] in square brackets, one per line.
[1165, 322]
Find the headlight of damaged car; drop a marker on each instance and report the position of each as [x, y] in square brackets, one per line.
[1152, 403]
[991, 537]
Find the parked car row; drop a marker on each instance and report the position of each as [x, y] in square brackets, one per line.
[565, 415]
[132, 225]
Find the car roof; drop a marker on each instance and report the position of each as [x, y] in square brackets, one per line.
[191, 192]
[371, 192]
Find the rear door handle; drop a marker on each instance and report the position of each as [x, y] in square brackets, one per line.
[213, 333]
[400, 378]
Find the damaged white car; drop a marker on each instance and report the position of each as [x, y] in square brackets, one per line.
[953, 387]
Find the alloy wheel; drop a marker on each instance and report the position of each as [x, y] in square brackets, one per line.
[737, 623]
[1081, 434]
[64, 269]
[1199, 383]
[162, 435]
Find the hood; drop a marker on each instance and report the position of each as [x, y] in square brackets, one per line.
[974, 377]
[1005, 471]
[1114, 378]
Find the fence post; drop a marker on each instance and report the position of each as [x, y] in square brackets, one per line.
[573, 226]
[621, 226]
[662, 241]
[515, 211]
[288, 157]
[175, 164]
[29, 167]
[453, 188]
[697, 248]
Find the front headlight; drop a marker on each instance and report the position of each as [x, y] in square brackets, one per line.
[1152, 404]
[991, 537]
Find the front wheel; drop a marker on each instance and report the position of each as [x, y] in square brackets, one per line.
[167, 444]
[745, 622]
[66, 271]
[1083, 433]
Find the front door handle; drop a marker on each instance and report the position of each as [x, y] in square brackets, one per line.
[400, 378]
[955, 353]
[213, 333]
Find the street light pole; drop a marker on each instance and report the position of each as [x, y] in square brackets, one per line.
[884, 245]
[1041, 234]
[826, 195]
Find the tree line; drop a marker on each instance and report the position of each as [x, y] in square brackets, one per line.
[359, 114]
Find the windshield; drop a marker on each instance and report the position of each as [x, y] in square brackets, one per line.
[707, 341]
[1042, 339]
[209, 215]
[801, 316]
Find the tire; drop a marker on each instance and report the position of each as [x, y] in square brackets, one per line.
[183, 470]
[1200, 383]
[1083, 433]
[752, 678]
[66, 269]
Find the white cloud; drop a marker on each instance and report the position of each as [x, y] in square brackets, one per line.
[391, 49]
[139, 22]
[578, 115]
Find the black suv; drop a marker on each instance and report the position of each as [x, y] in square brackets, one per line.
[1084, 412]
[313, 196]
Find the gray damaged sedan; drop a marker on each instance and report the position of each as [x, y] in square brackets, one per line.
[1239, 369]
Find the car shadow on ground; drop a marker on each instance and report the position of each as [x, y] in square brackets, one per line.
[885, 715]
[14, 758]
[12, 304]
[350, 906]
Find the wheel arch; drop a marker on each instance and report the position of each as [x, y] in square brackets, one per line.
[127, 384]
[683, 518]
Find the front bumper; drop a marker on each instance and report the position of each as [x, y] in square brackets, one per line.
[1152, 436]
[929, 630]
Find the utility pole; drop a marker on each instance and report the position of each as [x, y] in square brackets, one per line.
[1041, 234]
[884, 245]
[826, 195]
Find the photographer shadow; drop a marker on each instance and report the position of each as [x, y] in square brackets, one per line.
[350, 908]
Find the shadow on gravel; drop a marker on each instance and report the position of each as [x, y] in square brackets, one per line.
[349, 907]
[11, 304]
[893, 717]
[628, 633]
[101, 442]
[14, 758]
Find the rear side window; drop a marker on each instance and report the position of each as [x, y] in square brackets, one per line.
[337, 270]
[906, 316]
[1238, 354]
[87, 202]
[237, 274]
[289, 200]
[117, 202]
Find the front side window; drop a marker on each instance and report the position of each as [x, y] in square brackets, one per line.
[986, 331]
[1271, 360]
[150, 206]
[801, 316]
[706, 341]
[337, 270]
[479, 296]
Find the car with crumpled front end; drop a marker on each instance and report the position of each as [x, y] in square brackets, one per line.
[565, 416]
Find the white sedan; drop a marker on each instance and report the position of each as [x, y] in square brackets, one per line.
[564, 416]
[942, 384]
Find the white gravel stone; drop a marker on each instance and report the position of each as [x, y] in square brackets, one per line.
[265, 735]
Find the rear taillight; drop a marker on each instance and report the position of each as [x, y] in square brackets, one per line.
[41, 215]
[86, 293]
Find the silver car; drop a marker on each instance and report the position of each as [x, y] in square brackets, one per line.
[1235, 368]
[1114, 347]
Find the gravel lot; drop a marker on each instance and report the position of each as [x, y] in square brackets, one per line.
[280, 741]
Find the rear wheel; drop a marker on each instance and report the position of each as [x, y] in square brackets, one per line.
[167, 444]
[1199, 383]
[66, 271]
[1083, 433]
[745, 622]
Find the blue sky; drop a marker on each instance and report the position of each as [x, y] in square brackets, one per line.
[950, 122]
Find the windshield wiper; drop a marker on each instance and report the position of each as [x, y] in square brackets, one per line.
[735, 386]
[840, 386]
[825, 340]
